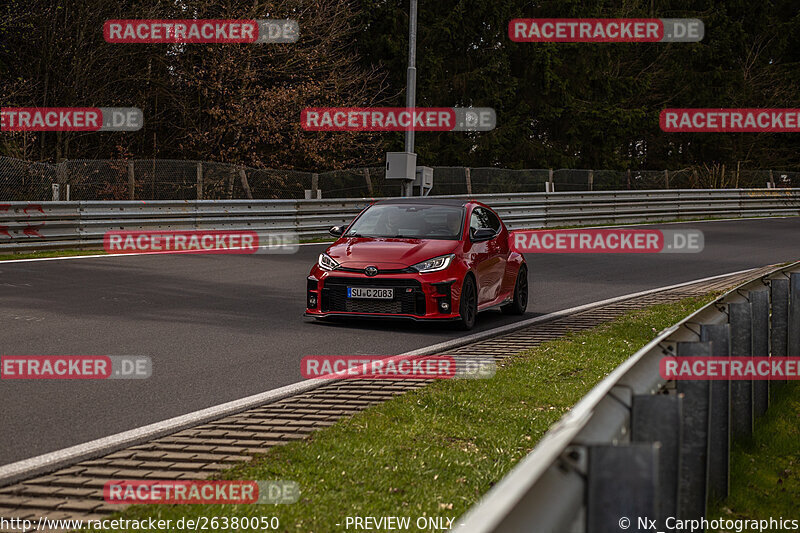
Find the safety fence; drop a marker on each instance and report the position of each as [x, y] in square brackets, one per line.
[161, 179]
[63, 225]
[639, 447]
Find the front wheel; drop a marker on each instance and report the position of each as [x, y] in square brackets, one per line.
[468, 304]
[518, 305]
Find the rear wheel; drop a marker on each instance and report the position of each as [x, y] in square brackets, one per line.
[518, 305]
[468, 303]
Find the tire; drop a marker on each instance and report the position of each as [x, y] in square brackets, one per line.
[468, 304]
[519, 304]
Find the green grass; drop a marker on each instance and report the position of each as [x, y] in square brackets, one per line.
[69, 253]
[765, 471]
[50, 253]
[437, 450]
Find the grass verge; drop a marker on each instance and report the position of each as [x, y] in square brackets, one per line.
[70, 253]
[435, 451]
[765, 471]
[50, 253]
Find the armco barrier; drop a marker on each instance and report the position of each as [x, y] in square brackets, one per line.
[62, 225]
[638, 446]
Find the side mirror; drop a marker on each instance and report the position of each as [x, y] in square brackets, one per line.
[482, 234]
[336, 231]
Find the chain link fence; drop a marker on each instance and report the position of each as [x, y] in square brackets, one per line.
[161, 179]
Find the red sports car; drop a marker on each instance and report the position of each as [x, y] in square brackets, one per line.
[421, 259]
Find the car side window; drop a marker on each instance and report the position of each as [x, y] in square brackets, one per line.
[483, 219]
[494, 222]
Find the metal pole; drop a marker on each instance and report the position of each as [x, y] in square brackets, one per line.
[411, 82]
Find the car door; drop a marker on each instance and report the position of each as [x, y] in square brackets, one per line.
[497, 251]
[485, 255]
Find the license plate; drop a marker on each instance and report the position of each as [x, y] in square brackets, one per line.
[370, 293]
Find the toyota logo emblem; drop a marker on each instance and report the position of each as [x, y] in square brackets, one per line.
[371, 271]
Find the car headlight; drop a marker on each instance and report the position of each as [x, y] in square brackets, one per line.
[326, 262]
[435, 264]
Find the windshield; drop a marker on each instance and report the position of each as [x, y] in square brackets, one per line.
[409, 221]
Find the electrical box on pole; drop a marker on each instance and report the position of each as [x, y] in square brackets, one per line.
[424, 180]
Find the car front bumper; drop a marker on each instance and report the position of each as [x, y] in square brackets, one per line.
[431, 296]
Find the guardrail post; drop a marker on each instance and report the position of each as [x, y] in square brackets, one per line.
[654, 418]
[793, 343]
[549, 187]
[591, 180]
[199, 181]
[759, 308]
[694, 442]
[719, 437]
[622, 483]
[741, 321]
[779, 288]
[131, 182]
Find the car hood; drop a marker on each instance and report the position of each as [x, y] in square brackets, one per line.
[389, 253]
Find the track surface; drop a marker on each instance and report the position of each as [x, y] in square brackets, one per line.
[221, 327]
[76, 490]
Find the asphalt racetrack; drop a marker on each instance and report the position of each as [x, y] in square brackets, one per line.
[222, 327]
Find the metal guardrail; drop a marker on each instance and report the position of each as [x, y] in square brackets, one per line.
[63, 225]
[639, 446]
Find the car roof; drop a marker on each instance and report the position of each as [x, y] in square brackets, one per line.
[424, 200]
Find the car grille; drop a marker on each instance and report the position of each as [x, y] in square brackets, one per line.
[334, 296]
[407, 270]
